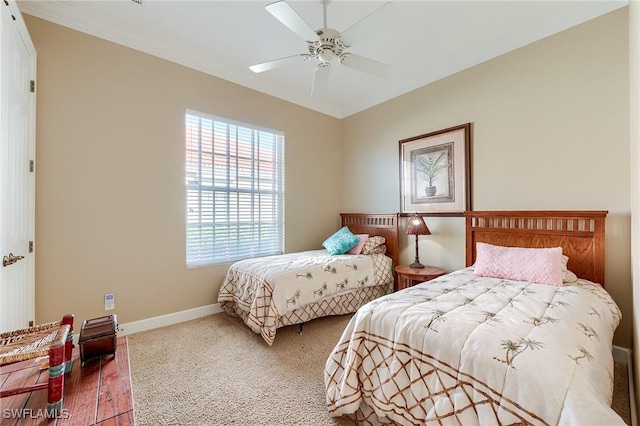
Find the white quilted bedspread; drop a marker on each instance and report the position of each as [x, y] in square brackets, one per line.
[466, 350]
[263, 289]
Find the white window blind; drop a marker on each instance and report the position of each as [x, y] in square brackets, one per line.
[235, 190]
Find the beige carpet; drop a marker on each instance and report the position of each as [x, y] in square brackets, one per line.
[215, 371]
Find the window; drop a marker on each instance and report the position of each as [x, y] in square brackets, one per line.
[235, 190]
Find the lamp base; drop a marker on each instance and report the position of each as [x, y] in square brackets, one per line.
[416, 265]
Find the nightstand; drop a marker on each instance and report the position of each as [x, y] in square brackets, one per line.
[408, 276]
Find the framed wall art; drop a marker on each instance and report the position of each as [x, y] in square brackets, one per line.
[435, 175]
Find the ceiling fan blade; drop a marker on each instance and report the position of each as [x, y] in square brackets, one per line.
[366, 65]
[385, 15]
[277, 63]
[290, 18]
[321, 79]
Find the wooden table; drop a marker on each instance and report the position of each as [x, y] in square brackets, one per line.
[97, 394]
[408, 276]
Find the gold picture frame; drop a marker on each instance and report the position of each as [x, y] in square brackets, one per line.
[435, 175]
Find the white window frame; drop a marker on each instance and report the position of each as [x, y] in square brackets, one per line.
[234, 190]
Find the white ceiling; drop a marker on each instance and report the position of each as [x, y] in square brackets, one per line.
[428, 41]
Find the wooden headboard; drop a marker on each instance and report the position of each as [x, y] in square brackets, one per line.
[384, 225]
[580, 233]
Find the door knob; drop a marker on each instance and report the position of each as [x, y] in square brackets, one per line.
[10, 259]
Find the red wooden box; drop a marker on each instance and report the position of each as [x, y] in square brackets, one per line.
[98, 338]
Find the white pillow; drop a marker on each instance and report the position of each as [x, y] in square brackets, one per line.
[567, 275]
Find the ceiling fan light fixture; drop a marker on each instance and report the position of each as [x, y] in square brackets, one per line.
[326, 55]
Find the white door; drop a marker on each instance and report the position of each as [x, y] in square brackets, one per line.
[17, 177]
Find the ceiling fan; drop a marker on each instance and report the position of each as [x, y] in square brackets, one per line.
[327, 44]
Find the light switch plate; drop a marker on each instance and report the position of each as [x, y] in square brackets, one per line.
[109, 302]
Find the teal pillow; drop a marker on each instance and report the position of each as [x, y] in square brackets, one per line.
[341, 242]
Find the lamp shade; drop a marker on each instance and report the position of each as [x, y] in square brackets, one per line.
[416, 226]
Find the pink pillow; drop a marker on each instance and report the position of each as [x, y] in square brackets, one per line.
[543, 265]
[358, 248]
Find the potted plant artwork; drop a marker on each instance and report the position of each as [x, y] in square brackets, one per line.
[434, 172]
[429, 166]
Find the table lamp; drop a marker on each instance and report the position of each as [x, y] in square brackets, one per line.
[416, 226]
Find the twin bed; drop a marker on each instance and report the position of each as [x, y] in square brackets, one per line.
[294, 288]
[468, 347]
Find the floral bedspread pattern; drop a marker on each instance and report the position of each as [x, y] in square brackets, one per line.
[263, 290]
[467, 350]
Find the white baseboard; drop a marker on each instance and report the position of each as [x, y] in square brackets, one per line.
[168, 319]
[623, 356]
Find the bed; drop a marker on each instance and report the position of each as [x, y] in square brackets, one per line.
[467, 349]
[276, 291]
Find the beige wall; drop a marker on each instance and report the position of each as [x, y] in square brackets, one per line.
[550, 131]
[110, 213]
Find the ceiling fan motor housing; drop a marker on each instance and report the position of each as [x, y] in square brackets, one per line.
[328, 47]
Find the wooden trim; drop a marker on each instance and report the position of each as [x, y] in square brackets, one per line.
[580, 233]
